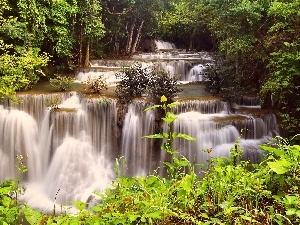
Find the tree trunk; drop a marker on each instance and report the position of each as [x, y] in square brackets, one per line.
[87, 55]
[116, 45]
[191, 44]
[80, 48]
[138, 38]
[129, 39]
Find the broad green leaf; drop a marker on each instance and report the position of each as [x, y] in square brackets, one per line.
[173, 104]
[156, 214]
[152, 107]
[291, 211]
[186, 137]
[32, 216]
[133, 217]
[97, 208]
[170, 117]
[276, 151]
[5, 190]
[79, 205]
[280, 167]
[163, 135]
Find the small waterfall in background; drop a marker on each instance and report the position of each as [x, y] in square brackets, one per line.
[185, 66]
[164, 45]
[70, 152]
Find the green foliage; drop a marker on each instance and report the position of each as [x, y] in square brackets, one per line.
[63, 83]
[19, 71]
[283, 83]
[63, 29]
[53, 102]
[283, 160]
[96, 85]
[223, 79]
[11, 209]
[168, 118]
[184, 22]
[136, 81]
[226, 193]
[133, 82]
[161, 83]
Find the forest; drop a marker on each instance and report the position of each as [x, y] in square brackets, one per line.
[256, 46]
[258, 41]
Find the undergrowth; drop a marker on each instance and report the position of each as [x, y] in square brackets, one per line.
[228, 193]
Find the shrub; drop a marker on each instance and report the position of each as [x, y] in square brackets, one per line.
[63, 83]
[19, 69]
[222, 79]
[96, 85]
[53, 102]
[136, 81]
[160, 83]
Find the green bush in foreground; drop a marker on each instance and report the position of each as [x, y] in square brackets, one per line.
[228, 193]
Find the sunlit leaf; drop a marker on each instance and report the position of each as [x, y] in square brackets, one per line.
[186, 137]
[163, 135]
[170, 117]
[280, 166]
[152, 107]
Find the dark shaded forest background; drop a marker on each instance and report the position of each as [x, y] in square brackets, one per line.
[256, 42]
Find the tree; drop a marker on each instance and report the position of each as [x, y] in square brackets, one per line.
[91, 28]
[185, 23]
[19, 69]
[127, 20]
[282, 84]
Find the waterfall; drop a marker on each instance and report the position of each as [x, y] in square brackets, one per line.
[70, 151]
[184, 66]
[19, 137]
[137, 150]
[163, 45]
[196, 73]
[68, 156]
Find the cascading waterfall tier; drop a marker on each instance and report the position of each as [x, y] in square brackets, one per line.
[68, 156]
[187, 67]
[70, 151]
[70, 141]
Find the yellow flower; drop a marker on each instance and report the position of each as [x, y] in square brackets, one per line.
[163, 99]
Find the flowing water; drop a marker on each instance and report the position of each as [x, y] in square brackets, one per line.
[70, 152]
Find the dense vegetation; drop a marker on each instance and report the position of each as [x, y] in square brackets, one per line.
[224, 191]
[257, 41]
[257, 46]
[137, 81]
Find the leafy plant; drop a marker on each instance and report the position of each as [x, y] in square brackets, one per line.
[222, 79]
[96, 85]
[10, 207]
[63, 83]
[161, 83]
[53, 102]
[136, 81]
[18, 69]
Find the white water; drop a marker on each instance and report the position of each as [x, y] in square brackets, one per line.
[185, 66]
[163, 45]
[71, 152]
[63, 162]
